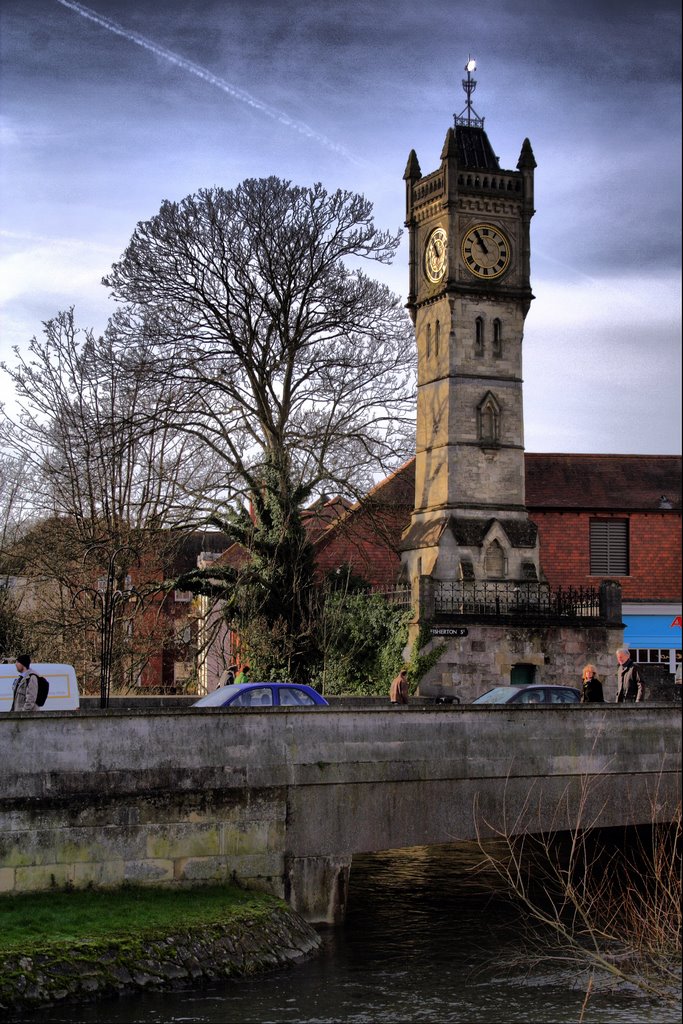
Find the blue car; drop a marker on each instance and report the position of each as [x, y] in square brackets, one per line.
[262, 695]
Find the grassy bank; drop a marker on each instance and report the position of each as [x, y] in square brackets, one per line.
[36, 920]
[79, 945]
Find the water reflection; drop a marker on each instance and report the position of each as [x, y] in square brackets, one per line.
[427, 940]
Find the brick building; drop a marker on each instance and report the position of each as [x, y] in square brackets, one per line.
[598, 516]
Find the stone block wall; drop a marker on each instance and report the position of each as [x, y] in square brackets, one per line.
[281, 800]
[116, 838]
[485, 657]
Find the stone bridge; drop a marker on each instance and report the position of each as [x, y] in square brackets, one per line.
[282, 799]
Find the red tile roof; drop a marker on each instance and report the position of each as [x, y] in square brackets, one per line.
[618, 483]
[608, 483]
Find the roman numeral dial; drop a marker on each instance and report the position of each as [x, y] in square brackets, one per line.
[486, 251]
[436, 255]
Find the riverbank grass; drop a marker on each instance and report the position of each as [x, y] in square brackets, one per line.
[59, 917]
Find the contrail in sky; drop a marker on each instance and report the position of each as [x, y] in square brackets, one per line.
[211, 79]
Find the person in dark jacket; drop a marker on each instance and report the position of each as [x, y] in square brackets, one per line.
[25, 686]
[591, 687]
[629, 679]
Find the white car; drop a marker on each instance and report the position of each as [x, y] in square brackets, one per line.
[63, 693]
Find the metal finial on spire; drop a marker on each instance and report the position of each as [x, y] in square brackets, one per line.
[469, 116]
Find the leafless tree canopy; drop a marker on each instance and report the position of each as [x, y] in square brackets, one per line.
[94, 476]
[250, 356]
[95, 441]
[288, 353]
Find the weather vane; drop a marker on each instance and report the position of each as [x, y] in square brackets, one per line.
[469, 116]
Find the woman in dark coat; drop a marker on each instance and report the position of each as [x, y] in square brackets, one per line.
[591, 688]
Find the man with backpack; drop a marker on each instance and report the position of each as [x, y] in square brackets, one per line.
[25, 686]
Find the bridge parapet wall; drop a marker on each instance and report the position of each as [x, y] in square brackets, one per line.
[282, 800]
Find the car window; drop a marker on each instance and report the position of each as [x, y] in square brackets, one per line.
[289, 697]
[259, 697]
[530, 697]
[561, 696]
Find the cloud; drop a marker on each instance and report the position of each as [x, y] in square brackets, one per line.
[49, 265]
[40, 275]
[211, 79]
[598, 303]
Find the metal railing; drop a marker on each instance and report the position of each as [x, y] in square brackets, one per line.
[517, 599]
[399, 595]
[521, 601]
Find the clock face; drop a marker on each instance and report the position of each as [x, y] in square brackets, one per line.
[436, 255]
[485, 251]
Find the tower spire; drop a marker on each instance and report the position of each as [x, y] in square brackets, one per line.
[469, 117]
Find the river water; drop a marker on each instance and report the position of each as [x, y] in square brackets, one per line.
[425, 941]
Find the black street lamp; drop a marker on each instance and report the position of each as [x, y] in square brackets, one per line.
[110, 596]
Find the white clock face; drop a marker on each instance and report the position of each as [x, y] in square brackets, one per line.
[436, 255]
[485, 251]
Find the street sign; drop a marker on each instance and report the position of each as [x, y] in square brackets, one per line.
[448, 631]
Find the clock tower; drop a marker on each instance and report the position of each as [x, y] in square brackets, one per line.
[469, 266]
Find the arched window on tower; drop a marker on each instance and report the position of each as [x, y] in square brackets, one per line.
[494, 561]
[437, 336]
[429, 340]
[479, 336]
[488, 420]
[497, 337]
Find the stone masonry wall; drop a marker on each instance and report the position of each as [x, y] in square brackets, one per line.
[82, 971]
[186, 838]
[281, 801]
[485, 657]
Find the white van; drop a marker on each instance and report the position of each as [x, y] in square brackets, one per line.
[62, 695]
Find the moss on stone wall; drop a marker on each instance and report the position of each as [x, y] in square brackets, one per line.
[77, 972]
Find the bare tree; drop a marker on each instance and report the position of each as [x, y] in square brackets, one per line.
[104, 470]
[15, 516]
[610, 909]
[289, 355]
[293, 366]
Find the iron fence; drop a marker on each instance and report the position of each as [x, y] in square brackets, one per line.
[517, 599]
[400, 595]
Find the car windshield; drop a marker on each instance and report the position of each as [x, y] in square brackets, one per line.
[498, 695]
[217, 697]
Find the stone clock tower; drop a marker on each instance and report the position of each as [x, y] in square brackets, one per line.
[468, 224]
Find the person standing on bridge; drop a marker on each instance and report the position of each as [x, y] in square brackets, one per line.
[243, 675]
[591, 687]
[25, 686]
[629, 679]
[398, 694]
[228, 676]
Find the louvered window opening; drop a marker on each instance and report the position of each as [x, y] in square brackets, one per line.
[609, 547]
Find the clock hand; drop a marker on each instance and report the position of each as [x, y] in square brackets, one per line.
[481, 242]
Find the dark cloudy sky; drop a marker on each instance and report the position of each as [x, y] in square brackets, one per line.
[109, 108]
